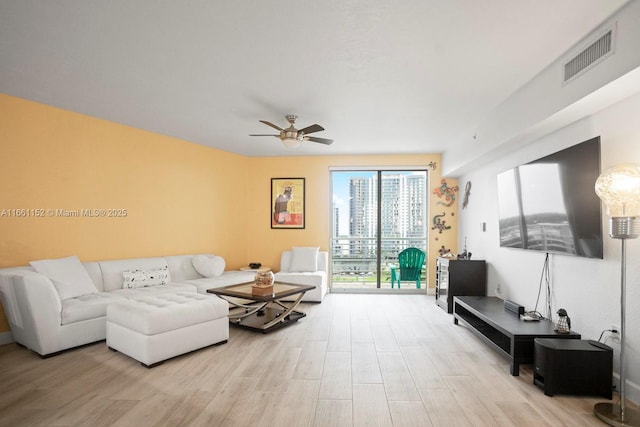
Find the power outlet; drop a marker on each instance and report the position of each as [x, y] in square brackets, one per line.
[615, 336]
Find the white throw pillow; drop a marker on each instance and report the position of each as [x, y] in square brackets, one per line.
[304, 259]
[209, 265]
[140, 278]
[69, 277]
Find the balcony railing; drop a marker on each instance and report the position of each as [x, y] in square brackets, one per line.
[354, 261]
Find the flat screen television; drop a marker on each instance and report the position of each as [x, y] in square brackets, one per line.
[550, 204]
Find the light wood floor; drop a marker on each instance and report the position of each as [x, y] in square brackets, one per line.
[355, 360]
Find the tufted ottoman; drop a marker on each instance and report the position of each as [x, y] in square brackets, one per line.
[155, 328]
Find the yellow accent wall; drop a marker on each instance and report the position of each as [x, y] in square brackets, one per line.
[179, 197]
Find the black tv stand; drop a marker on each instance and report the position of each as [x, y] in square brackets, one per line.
[502, 330]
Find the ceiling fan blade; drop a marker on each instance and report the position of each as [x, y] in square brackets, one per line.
[264, 134]
[271, 124]
[320, 140]
[311, 129]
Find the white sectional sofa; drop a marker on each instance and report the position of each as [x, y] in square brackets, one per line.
[46, 323]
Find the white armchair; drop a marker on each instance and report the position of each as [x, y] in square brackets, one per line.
[316, 278]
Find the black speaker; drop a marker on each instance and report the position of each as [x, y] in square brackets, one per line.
[513, 307]
[573, 367]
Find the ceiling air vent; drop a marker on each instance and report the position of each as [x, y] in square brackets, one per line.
[597, 51]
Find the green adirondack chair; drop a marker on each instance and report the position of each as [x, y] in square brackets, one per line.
[409, 267]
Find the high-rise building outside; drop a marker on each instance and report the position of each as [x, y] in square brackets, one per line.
[402, 209]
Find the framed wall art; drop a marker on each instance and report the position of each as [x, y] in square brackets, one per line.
[287, 203]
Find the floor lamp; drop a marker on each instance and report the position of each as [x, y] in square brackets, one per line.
[619, 189]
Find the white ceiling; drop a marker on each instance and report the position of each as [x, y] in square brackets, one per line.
[412, 76]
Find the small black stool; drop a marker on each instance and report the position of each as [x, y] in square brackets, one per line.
[573, 367]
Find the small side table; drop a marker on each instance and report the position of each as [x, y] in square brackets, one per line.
[573, 367]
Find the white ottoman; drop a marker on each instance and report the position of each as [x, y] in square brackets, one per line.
[155, 328]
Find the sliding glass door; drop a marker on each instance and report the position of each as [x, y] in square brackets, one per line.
[376, 214]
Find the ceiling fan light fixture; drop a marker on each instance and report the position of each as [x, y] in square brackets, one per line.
[290, 142]
[292, 137]
[289, 137]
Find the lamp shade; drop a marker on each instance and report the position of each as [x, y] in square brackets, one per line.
[619, 189]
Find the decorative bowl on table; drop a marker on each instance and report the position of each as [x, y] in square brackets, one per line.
[264, 283]
[255, 265]
[264, 278]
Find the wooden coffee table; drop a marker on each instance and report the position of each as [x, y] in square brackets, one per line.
[262, 313]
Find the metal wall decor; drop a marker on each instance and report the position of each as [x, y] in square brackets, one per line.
[439, 223]
[446, 192]
[444, 251]
[467, 193]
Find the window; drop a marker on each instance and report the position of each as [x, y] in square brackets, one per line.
[376, 214]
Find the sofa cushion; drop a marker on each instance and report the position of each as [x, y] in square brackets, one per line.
[323, 261]
[139, 278]
[161, 313]
[93, 268]
[208, 265]
[304, 259]
[68, 276]
[112, 270]
[316, 278]
[135, 293]
[181, 268]
[87, 307]
[228, 278]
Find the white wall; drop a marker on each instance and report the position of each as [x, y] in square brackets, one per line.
[544, 104]
[589, 289]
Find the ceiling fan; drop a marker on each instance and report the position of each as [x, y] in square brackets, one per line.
[291, 137]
